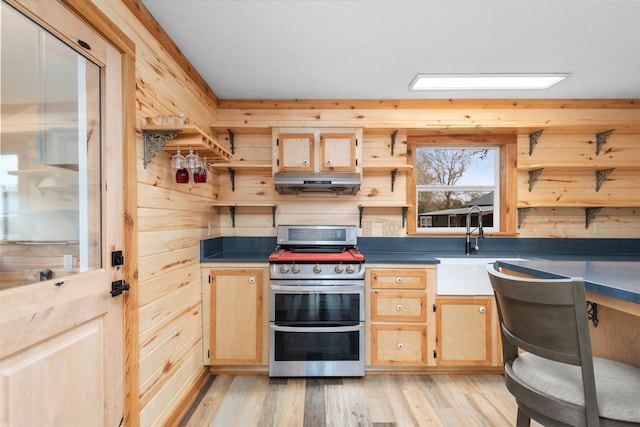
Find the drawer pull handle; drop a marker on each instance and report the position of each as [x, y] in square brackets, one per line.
[399, 307]
[399, 280]
[482, 309]
[252, 280]
[400, 346]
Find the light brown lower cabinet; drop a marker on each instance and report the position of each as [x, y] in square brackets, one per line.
[233, 320]
[465, 333]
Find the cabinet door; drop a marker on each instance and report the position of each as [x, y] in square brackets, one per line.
[295, 152]
[236, 317]
[463, 331]
[338, 152]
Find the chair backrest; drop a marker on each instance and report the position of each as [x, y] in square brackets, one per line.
[547, 317]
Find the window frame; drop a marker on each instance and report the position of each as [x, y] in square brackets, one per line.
[506, 199]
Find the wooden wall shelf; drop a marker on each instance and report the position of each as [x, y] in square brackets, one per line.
[234, 205]
[232, 167]
[402, 206]
[392, 169]
[171, 138]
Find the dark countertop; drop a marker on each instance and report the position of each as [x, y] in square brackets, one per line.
[243, 257]
[400, 258]
[617, 279]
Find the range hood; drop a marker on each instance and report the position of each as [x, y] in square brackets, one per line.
[347, 183]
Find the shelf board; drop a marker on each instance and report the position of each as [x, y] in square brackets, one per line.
[583, 167]
[386, 167]
[583, 204]
[384, 205]
[242, 166]
[244, 205]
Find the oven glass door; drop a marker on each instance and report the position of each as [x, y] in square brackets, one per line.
[317, 344]
[294, 308]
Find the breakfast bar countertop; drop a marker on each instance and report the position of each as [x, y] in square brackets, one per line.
[617, 279]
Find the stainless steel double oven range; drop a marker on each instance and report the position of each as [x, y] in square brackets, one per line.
[316, 317]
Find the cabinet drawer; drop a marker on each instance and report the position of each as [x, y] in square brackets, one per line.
[399, 306]
[399, 345]
[398, 279]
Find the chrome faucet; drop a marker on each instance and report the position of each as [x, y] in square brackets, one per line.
[476, 248]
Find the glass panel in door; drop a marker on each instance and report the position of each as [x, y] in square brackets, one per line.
[50, 202]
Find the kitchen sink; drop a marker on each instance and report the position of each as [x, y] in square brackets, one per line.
[466, 275]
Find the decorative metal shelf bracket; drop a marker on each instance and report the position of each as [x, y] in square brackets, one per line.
[533, 177]
[232, 176]
[231, 142]
[393, 140]
[592, 313]
[533, 140]
[394, 172]
[601, 177]
[154, 141]
[590, 214]
[601, 139]
[273, 216]
[522, 214]
[232, 211]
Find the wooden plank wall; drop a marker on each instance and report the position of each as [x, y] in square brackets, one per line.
[172, 219]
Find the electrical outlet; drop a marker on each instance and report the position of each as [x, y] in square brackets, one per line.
[391, 228]
[597, 228]
[366, 228]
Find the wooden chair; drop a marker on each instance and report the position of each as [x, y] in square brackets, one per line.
[549, 367]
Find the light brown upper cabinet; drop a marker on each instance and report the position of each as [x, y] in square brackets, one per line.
[317, 149]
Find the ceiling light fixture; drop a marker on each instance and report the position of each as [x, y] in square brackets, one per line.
[484, 81]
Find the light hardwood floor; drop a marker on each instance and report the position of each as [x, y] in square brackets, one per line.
[375, 400]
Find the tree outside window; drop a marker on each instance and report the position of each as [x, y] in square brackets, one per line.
[449, 180]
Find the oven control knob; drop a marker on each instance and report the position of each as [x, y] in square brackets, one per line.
[284, 269]
[295, 269]
[317, 268]
[339, 268]
[350, 269]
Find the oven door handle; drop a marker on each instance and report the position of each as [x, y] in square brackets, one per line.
[354, 328]
[314, 289]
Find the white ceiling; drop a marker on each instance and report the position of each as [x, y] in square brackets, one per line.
[372, 49]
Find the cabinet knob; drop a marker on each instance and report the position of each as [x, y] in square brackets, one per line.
[328, 162]
[482, 309]
[399, 307]
[252, 280]
[399, 280]
[306, 162]
[400, 346]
